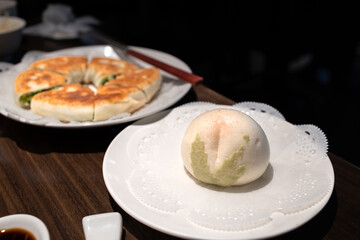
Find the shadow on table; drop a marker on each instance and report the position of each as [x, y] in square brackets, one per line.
[316, 228]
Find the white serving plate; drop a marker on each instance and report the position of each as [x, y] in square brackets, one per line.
[172, 90]
[144, 174]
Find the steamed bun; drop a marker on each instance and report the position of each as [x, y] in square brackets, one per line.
[225, 147]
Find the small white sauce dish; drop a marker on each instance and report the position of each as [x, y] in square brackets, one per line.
[27, 222]
[103, 226]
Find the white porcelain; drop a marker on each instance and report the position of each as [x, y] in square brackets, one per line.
[27, 222]
[144, 173]
[171, 91]
[103, 226]
[10, 34]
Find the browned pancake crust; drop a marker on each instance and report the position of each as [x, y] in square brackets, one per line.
[109, 66]
[33, 79]
[63, 64]
[140, 78]
[71, 95]
[127, 91]
[113, 93]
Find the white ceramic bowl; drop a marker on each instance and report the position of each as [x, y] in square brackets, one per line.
[27, 222]
[10, 34]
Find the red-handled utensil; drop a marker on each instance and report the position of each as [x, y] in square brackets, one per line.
[186, 76]
[123, 50]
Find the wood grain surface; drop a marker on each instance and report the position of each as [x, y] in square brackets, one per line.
[56, 175]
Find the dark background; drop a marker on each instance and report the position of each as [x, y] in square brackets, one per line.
[301, 57]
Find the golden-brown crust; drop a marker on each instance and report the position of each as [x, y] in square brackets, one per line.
[71, 101]
[34, 80]
[110, 66]
[112, 93]
[63, 64]
[71, 95]
[112, 100]
[140, 78]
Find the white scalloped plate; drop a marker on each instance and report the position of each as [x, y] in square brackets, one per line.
[172, 89]
[144, 173]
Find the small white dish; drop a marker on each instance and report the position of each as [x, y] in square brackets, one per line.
[27, 222]
[103, 226]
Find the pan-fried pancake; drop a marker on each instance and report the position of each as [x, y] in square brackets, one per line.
[71, 102]
[121, 87]
[32, 81]
[73, 67]
[102, 69]
[148, 80]
[112, 100]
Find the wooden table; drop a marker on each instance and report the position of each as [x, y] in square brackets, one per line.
[56, 175]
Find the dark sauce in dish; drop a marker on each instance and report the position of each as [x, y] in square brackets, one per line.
[16, 234]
